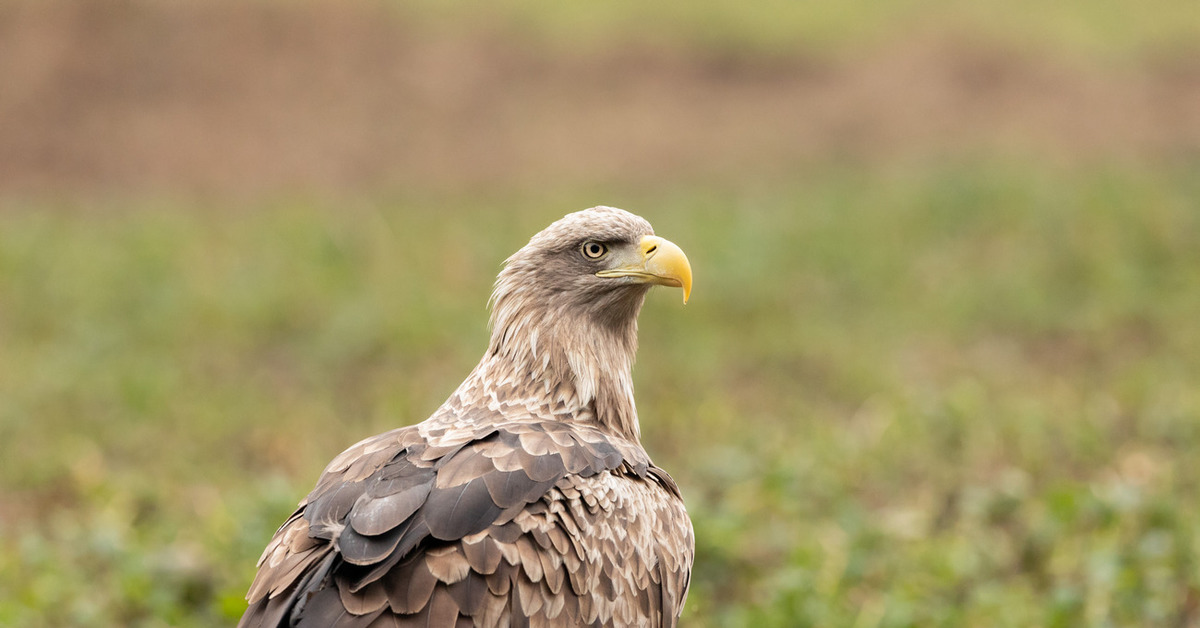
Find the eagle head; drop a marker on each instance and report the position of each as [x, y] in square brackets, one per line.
[565, 306]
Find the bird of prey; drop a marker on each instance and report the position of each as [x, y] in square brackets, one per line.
[527, 498]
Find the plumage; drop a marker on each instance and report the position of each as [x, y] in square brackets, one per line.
[526, 499]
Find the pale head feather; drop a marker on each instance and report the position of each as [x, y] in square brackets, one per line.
[554, 322]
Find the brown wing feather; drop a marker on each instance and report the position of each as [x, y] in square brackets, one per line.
[429, 540]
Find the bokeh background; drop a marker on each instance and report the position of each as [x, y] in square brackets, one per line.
[940, 367]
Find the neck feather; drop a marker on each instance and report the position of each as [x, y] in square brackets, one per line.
[573, 364]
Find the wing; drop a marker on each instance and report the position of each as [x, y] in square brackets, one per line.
[518, 520]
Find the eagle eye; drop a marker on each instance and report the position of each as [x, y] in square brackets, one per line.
[593, 249]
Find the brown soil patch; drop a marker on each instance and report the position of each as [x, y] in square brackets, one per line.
[230, 98]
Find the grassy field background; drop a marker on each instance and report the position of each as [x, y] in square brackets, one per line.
[939, 368]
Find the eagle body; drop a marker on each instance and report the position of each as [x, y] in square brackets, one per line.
[527, 498]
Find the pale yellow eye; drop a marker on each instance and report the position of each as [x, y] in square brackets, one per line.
[594, 250]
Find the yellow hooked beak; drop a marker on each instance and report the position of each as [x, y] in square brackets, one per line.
[661, 263]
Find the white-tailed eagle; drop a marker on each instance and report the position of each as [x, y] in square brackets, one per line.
[526, 499]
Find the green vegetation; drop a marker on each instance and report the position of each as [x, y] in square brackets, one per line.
[952, 396]
[1088, 26]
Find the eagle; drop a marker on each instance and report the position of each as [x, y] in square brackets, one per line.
[526, 499]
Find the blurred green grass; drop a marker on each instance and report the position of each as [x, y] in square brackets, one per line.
[1115, 28]
[949, 396]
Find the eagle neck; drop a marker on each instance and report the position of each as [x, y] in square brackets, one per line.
[564, 366]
